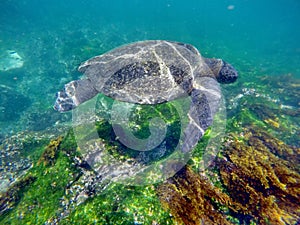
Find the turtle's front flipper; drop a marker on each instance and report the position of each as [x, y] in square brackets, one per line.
[73, 94]
[204, 104]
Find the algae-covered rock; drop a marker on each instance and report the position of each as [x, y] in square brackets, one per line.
[255, 179]
[11, 198]
[268, 102]
[41, 197]
[66, 191]
[17, 154]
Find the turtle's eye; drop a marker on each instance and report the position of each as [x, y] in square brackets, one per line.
[227, 74]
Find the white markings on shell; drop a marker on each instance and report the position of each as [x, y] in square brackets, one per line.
[148, 88]
[187, 62]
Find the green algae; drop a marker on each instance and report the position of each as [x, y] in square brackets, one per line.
[117, 204]
[39, 190]
[42, 197]
[121, 205]
[268, 103]
[138, 126]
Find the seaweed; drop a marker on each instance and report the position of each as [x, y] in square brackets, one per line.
[50, 154]
[259, 178]
[192, 199]
[290, 154]
[260, 173]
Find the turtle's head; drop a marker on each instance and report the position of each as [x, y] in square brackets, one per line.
[227, 73]
[223, 71]
[73, 94]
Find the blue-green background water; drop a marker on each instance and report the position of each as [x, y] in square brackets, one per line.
[260, 38]
[53, 37]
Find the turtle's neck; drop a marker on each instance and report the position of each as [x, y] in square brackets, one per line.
[214, 64]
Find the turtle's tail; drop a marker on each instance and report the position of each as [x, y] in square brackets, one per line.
[73, 94]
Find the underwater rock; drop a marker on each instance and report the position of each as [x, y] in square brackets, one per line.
[89, 183]
[9, 60]
[13, 195]
[286, 86]
[12, 163]
[17, 154]
[270, 103]
[12, 103]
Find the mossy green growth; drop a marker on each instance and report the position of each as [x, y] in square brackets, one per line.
[199, 150]
[134, 121]
[259, 112]
[121, 205]
[40, 200]
[68, 143]
[267, 102]
[140, 122]
[143, 114]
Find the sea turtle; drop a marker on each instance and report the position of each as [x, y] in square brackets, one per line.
[153, 72]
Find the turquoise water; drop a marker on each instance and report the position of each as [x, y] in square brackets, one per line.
[42, 43]
[53, 37]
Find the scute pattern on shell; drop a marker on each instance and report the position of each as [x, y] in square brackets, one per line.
[147, 72]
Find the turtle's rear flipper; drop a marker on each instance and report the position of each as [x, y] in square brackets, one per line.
[73, 94]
